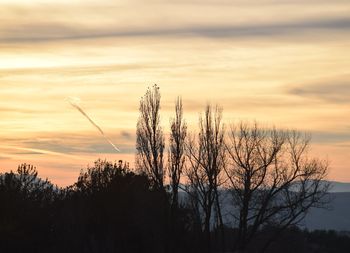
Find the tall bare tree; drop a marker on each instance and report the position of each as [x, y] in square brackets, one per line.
[272, 179]
[176, 155]
[150, 138]
[206, 160]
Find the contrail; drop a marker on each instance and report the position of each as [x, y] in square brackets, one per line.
[73, 102]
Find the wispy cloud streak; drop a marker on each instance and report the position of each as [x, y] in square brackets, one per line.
[319, 27]
[336, 91]
[39, 151]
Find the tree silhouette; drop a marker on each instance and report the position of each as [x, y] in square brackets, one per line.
[272, 179]
[114, 210]
[176, 155]
[206, 158]
[25, 210]
[150, 138]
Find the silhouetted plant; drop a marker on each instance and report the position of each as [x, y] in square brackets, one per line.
[176, 156]
[150, 138]
[25, 216]
[272, 180]
[206, 156]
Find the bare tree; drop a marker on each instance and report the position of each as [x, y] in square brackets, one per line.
[150, 138]
[176, 155]
[272, 179]
[206, 160]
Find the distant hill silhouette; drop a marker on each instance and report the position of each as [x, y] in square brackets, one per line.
[339, 186]
[336, 217]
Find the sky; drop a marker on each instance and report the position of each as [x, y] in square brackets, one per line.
[280, 62]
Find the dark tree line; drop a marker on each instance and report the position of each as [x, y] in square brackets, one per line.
[112, 209]
[108, 209]
[242, 188]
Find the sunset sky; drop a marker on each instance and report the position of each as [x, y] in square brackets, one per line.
[280, 62]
